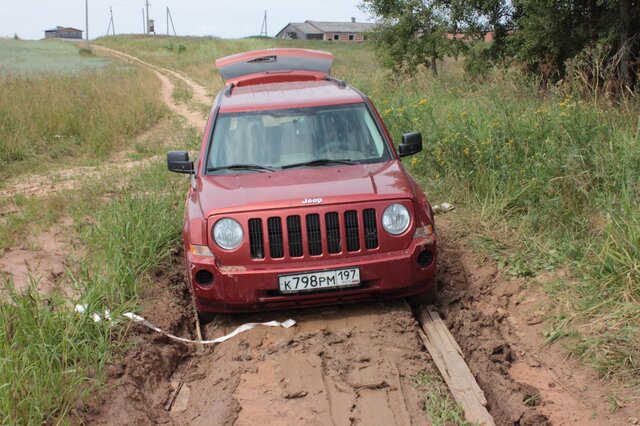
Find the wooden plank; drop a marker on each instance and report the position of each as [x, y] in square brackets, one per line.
[432, 318]
[447, 355]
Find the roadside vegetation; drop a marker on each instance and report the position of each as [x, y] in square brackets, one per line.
[124, 221]
[60, 105]
[542, 180]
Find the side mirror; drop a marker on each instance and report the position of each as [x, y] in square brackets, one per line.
[178, 161]
[411, 144]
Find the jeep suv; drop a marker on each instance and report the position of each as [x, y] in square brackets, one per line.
[298, 196]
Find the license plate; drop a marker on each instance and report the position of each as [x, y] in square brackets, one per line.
[319, 280]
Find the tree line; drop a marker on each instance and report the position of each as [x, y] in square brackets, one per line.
[595, 41]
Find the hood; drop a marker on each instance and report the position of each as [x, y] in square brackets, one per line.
[290, 188]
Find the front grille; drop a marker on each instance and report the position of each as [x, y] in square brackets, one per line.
[333, 232]
[351, 230]
[315, 237]
[294, 230]
[255, 238]
[276, 246]
[370, 228]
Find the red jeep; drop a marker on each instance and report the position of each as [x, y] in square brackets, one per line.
[298, 196]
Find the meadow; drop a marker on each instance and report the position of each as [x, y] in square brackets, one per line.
[541, 181]
[61, 106]
[60, 103]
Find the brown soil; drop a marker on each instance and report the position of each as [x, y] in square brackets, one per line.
[500, 323]
[40, 260]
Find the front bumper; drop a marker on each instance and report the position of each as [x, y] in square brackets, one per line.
[255, 287]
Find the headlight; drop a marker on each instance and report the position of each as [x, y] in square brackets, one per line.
[227, 233]
[396, 219]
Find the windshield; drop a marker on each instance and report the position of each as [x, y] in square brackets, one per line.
[298, 137]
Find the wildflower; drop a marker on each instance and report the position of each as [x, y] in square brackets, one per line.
[466, 150]
[540, 110]
[510, 142]
[387, 111]
[437, 176]
[464, 114]
[422, 102]
[414, 161]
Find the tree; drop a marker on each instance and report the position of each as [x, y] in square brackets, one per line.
[413, 32]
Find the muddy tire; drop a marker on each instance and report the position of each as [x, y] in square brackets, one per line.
[205, 317]
[427, 298]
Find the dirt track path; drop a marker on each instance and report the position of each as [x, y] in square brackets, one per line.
[46, 264]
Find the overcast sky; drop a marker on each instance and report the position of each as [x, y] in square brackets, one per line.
[221, 18]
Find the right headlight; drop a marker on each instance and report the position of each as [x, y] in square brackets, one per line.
[227, 233]
[396, 219]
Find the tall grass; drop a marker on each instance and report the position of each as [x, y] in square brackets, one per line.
[562, 173]
[55, 116]
[52, 358]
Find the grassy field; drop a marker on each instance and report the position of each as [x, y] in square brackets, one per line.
[62, 104]
[124, 221]
[541, 183]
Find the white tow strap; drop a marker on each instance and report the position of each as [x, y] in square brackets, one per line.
[140, 320]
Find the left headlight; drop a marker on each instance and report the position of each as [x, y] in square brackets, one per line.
[227, 233]
[396, 219]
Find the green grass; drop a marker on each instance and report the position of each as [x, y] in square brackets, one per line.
[52, 358]
[35, 58]
[539, 183]
[438, 403]
[54, 118]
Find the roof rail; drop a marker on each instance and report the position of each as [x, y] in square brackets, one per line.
[340, 83]
[229, 89]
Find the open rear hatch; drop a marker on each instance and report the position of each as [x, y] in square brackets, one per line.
[274, 65]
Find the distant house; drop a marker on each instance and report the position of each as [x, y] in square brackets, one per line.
[317, 30]
[487, 37]
[63, 32]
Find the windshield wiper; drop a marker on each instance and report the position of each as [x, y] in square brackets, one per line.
[320, 162]
[256, 167]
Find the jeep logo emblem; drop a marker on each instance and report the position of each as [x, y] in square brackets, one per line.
[312, 201]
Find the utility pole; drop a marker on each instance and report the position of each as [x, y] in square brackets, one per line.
[112, 26]
[263, 30]
[147, 23]
[86, 18]
[144, 23]
[170, 19]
